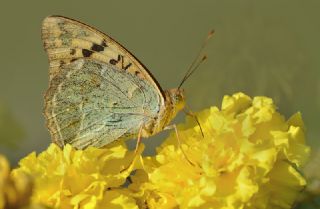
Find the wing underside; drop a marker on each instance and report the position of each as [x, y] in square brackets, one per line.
[91, 103]
[98, 92]
[66, 40]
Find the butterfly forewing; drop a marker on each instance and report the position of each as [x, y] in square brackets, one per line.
[98, 91]
[66, 40]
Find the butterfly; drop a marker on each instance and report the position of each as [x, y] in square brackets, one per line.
[98, 91]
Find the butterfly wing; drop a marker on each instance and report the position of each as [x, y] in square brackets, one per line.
[66, 40]
[98, 91]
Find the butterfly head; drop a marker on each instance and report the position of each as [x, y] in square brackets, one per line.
[176, 96]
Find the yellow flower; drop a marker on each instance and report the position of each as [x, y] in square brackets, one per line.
[249, 157]
[90, 178]
[15, 188]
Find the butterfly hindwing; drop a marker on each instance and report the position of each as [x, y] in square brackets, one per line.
[98, 91]
[85, 105]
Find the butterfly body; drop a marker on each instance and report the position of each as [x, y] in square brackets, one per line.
[99, 92]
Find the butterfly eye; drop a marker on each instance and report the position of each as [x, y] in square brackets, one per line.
[177, 98]
[178, 101]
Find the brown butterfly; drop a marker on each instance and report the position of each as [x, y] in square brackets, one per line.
[98, 91]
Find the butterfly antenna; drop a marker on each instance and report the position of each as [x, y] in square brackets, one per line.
[194, 65]
[193, 70]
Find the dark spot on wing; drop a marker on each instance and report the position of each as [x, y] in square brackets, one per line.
[113, 62]
[114, 104]
[127, 66]
[103, 43]
[97, 48]
[74, 59]
[86, 52]
[73, 51]
[136, 72]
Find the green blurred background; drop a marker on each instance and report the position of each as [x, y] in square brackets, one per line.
[266, 48]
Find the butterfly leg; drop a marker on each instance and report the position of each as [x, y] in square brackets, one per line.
[136, 149]
[138, 139]
[187, 111]
[174, 126]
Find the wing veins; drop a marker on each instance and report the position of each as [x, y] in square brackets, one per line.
[115, 85]
[90, 110]
[64, 127]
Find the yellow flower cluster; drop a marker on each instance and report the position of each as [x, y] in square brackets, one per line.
[249, 157]
[87, 179]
